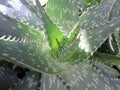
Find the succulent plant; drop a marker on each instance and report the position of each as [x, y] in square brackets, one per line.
[66, 45]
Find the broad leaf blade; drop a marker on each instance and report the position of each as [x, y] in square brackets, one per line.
[98, 15]
[89, 40]
[13, 28]
[28, 55]
[92, 36]
[26, 11]
[20, 10]
[105, 68]
[64, 14]
[52, 32]
[25, 46]
[95, 36]
[119, 44]
[52, 82]
[106, 59]
[110, 46]
[114, 11]
[83, 76]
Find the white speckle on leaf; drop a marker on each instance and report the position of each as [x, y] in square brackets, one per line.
[51, 82]
[13, 58]
[3, 37]
[44, 87]
[5, 54]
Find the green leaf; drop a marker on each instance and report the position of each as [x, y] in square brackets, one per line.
[21, 11]
[64, 13]
[70, 44]
[107, 59]
[29, 82]
[17, 30]
[91, 36]
[89, 40]
[53, 33]
[67, 52]
[25, 46]
[105, 12]
[52, 82]
[89, 3]
[94, 37]
[84, 77]
[110, 46]
[114, 11]
[119, 43]
[27, 12]
[105, 68]
[98, 15]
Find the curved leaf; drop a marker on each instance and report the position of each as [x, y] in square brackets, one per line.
[21, 11]
[25, 46]
[98, 15]
[84, 77]
[114, 10]
[52, 82]
[94, 37]
[107, 69]
[52, 32]
[26, 11]
[89, 40]
[14, 29]
[64, 15]
[110, 46]
[107, 59]
[91, 36]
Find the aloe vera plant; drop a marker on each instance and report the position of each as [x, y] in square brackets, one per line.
[66, 45]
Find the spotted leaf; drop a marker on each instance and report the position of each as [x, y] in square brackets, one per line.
[17, 30]
[21, 11]
[98, 15]
[25, 46]
[110, 46]
[52, 82]
[96, 33]
[64, 15]
[83, 77]
[105, 68]
[27, 12]
[53, 33]
[107, 59]
[91, 37]
[114, 11]
[88, 41]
